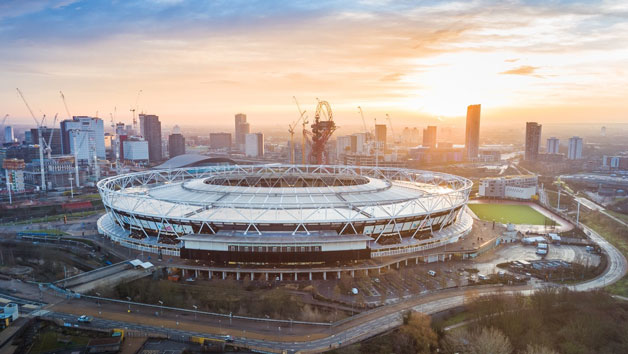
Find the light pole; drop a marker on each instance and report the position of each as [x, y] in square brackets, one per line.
[161, 307]
[71, 187]
[195, 309]
[129, 299]
[98, 299]
[230, 318]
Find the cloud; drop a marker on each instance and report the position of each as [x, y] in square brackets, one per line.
[522, 70]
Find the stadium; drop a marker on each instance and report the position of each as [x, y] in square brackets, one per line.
[284, 214]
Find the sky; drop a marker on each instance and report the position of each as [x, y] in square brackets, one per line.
[200, 62]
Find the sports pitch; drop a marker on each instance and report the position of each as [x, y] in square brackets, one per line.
[510, 213]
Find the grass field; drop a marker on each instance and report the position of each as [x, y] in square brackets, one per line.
[509, 213]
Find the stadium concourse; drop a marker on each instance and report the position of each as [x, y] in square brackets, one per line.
[273, 215]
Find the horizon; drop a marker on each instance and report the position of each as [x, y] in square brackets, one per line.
[198, 63]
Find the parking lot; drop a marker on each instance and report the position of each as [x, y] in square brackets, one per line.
[394, 283]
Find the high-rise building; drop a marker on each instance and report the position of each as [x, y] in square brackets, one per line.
[176, 143]
[14, 174]
[472, 133]
[8, 134]
[151, 131]
[575, 148]
[254, 145]
[220, 141]
[85, 135]
[56, 147]
[533, 140]
[242, 128]
[552, 145]
[380, 136]
[429, 136]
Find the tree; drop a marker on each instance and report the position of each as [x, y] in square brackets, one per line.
[539, 349]
[490, 340]
[418, 330]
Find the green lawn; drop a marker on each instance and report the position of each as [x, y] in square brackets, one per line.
[509, 213]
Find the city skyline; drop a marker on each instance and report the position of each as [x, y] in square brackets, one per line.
[199, 63]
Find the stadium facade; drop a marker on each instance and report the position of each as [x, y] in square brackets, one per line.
[284, 214]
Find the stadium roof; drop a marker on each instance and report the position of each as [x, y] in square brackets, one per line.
[193, 160]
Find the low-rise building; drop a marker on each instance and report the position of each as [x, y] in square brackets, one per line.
[516, 187]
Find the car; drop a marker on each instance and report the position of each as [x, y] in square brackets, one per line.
[85, 319]
[432, 273]
[228, 338]
[376, 280]
[354, 291]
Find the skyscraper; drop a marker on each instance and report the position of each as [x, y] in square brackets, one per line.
[380, 136]
[575, 148]
[176, 143]
[472, 134]
[552, 145]
[429, 136]
[242, 128]
[85, 136]
[8, 134]
[152, 134]
[533, 140]
[220, 141]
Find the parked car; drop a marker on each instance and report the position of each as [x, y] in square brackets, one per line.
[431, 273]
[85, 319]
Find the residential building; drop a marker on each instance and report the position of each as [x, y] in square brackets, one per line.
[575, 148]
[254, 145]
[615, 163]
[242, 128]
[14, 174]
[516, 187]
[220, 141]
[533, 139]
[552, 145]
[380, 136]
[472, 132]
[151, 132]
[176, 143]
[429, 136]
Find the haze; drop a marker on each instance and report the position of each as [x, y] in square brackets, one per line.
[200, 62]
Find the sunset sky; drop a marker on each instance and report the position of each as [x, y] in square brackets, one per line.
[200, 62]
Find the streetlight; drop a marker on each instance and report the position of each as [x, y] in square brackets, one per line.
[195, 309]
[161, 307]
[230, 318]
[267, 321]
[129, 299]
[98, 299]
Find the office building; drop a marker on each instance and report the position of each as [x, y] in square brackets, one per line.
[515, 187]
[135, 150]
[552, 145]
[380, 136]
[85, 136]
[410, 137]
[533, 139]
[254, 145]
[220, 141]
[55, 144]
[242, 128]
[429, 136]
[575, 148]
[151, 132]
[176, 143]
[8, 135]
[343, 146]
[472, 132]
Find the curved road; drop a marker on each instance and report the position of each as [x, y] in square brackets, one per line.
[384, 318]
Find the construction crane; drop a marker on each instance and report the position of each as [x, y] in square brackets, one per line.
[322, 129]
[291, 127]
[133, 109]
[41, 144]
[65, 105]
[48, 147]
[366, 131]
[392, 131]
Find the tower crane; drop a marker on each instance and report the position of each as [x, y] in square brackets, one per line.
[392, 131]
[291, 130]
[304, 131]
[133, 109]
[366, 131]
[48, 147]
[65, 105]
[41, 147]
